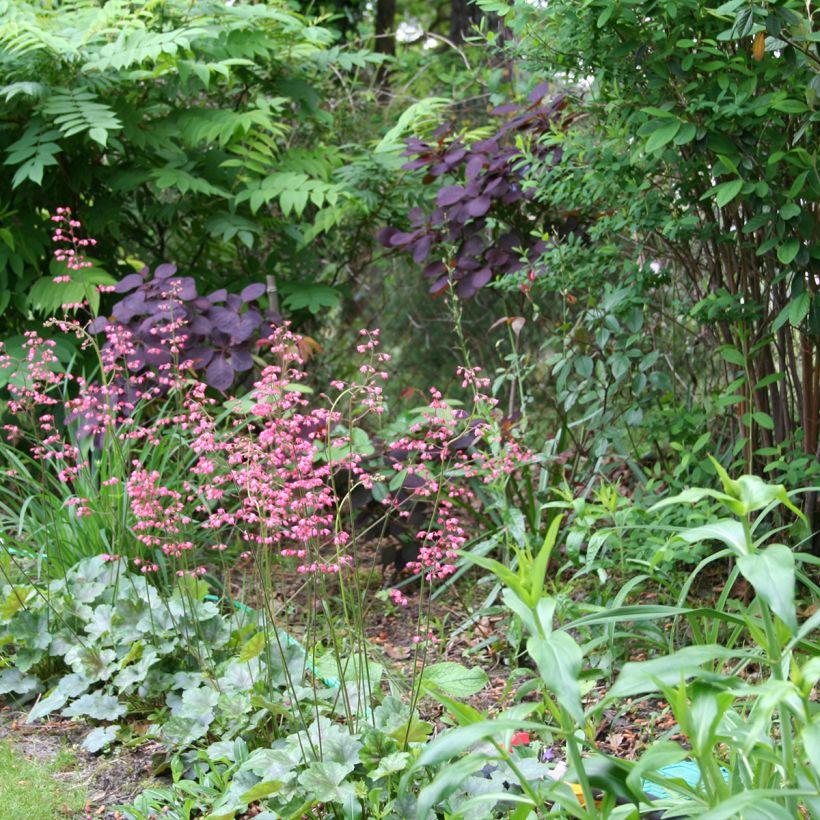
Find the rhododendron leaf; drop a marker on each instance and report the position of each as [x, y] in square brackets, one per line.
[455, 679]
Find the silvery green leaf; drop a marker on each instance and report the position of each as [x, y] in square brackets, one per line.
[198, 705]
[390, 764]
[13, 680]
[96, 664]
[87, 593]
[101, 622]
[391, 714]
[99, 738]
[96, 706]
[324, 782]
[274, 764]
[73, 685]
[45, 706]
[136, 672]
[221, 750]
[234, 705]
[186, 680]
[179, 731]
[240, 677]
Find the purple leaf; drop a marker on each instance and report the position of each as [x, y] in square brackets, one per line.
[219, 373]
[252, 292]
[385, 235]
[480, 278]
[401, 238]
[241, 359]
[200, 356]
[184, 288]
[479, 206]
[133, 305]
[225, 320]
[422, 248]
[539, 92]
[435, 269]
[218, 296]
[449, 195]
[165, 271]
[233, 302]
[98, 325]
[129, 282]
[415, 164]
[246, 327]
[474, 166]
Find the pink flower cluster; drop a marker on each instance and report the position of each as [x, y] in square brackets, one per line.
[274, 474]
[70, 246]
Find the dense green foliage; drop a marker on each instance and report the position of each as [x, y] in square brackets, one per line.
[413, 411]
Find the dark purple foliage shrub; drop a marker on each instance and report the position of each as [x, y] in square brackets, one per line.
[167, 318]
[483, 215]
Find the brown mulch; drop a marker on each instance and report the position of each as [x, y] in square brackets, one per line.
[109, 779]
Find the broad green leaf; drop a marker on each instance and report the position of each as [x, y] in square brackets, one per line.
[788, 250]
[692, 496]
[662, 135]
[391, 764]
[253, 647]
[261, 790]
[453, 742]
[727, 191]
[771, 573]
[727, 530]
[798, 308]
[450, 778]
[638, 678]
[659, 754]
[559, 660]
[455, 679]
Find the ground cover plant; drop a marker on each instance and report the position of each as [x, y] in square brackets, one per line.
[410, 412]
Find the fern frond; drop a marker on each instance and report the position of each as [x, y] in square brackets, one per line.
[135, 47]
[76, 111]
[33, 152]
[222, 126]
[293, 191]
